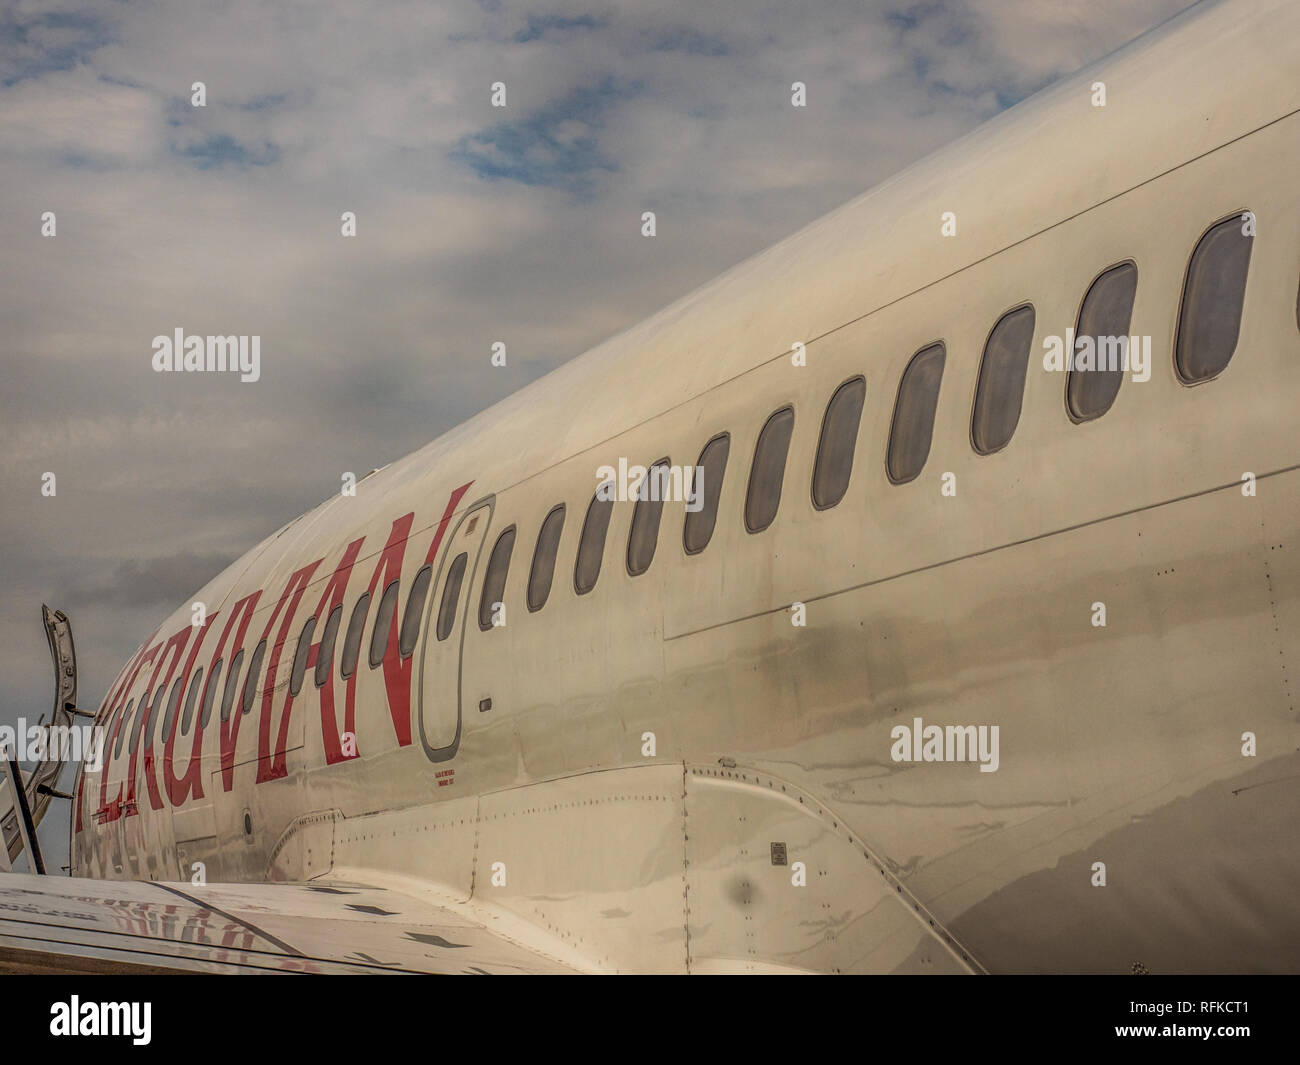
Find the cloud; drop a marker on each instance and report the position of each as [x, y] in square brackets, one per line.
[474, 225]
[556, 145]
[540, 27]
[160, 582]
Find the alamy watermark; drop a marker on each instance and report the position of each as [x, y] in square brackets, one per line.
[53, 743]
[77, 1018]
[946, 743]
[1085, 353]
[240, 354]
[660, 482]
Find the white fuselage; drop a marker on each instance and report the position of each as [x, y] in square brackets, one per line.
[644, 773]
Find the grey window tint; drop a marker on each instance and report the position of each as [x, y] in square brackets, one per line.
[644, 537]
[712, 465]
[254, 668]
[325, 653]
[139, 720]
[834, 463]
[451, 595]
[232, 686]
[1001, 386]
[1105, 316]
[210, 694]
[173, 702]
[383, 625]
[414, 611]
[494, 584]
[352, 641]
[1213, 293]
[768, 471]
[155, 716]
[913, 425]
[195, 686]
[543, 569]
[591, 544]
[300, 656]
[124, 716]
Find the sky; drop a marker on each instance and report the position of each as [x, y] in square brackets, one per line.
[474, 224]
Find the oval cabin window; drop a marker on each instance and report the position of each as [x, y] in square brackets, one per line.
[1213, 293]
[839, 438]
[644, 537]
[1001, 386]
[591, 545]
[543, 568]
[706, 491]
[913, 423]
[1101, 343]
[768, 470]
[494, 584]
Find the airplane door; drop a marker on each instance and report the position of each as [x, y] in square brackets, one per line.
[447, 617]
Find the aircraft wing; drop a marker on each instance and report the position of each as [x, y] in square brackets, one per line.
[71, 925]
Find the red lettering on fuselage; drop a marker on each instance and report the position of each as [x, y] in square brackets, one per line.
[330, 599]
[111, 707]
[179, 789]
[270, 766]
[154, 710]
[111, 811]
[228, 730]
[165, 658]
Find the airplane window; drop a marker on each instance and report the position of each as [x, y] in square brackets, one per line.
[173, 702]
[123, 717]
[232, 686]
[383, 625]
[352, 641]
[254, 668]
[188, 719]
[494, 584]
[644, 537]
[768, 470]
[712, 464]
[1001, 387]
[301, 655]
[451, 595]
[1105, 316]
[591, 544]
[210, 694]
[543, 569]
[913, 425]
[139, 720]
[325, 653]
[834, 462]
[155, 715]
[414, 609]
[1213, 293]
[112, 723]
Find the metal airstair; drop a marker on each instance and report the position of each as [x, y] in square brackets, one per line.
[25, 797]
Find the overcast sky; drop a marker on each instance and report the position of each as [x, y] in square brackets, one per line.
[474, 224]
